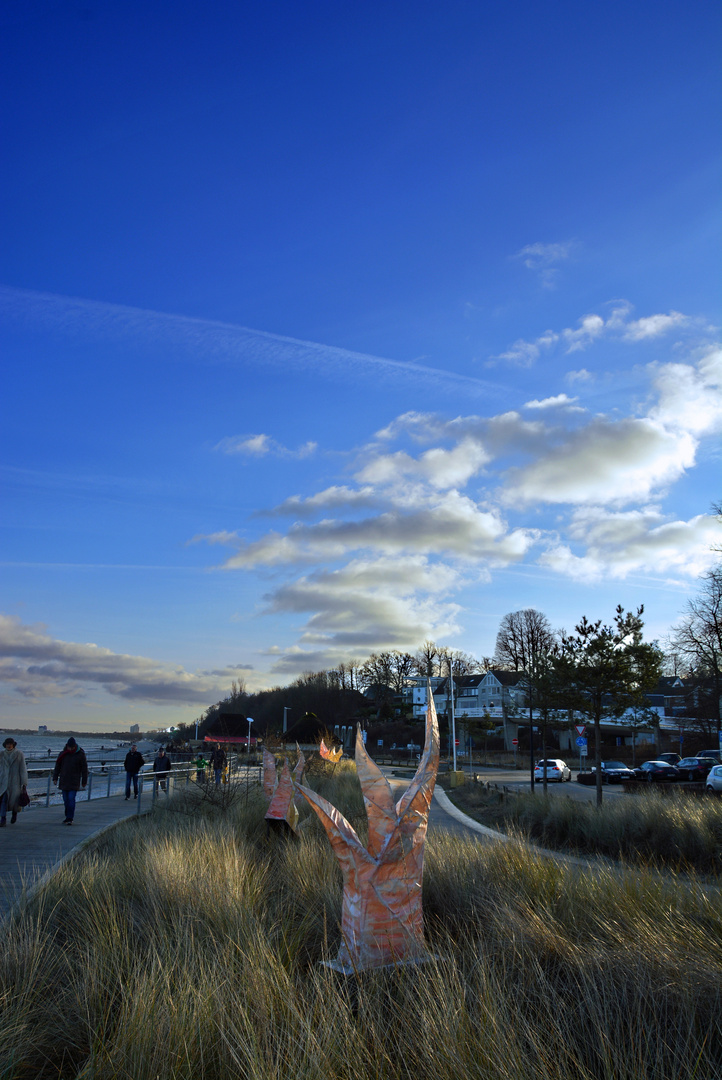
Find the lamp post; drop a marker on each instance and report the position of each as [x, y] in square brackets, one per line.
[248, 759]
[453, 715]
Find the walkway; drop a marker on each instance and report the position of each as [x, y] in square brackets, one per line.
[39, 842]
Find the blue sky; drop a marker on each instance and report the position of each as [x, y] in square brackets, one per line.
[331, 328]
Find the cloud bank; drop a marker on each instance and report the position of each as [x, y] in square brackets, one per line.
[434, 503]
[34, 665]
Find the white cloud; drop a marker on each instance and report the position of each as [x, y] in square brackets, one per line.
[543, 259]
[653, 326]
[591, 328]
[262, 445]
[536, 256]
[525, 353]
[36, 665]
[337, 497]
[690, 397]
[560, 401]
[579, 376]
[451, 524]
[604, 462]
[616, 545]
[439, 467]
[370, 604]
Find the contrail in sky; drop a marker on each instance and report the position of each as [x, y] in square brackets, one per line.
[212, 340]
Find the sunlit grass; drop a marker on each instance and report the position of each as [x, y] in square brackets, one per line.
[675, 830]
[189, 946]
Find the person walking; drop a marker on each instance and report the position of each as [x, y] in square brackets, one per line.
[13, 780]
[70, 774]
[161, 766]
[134, 761]
[218, 761]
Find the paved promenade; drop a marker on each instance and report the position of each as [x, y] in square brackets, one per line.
[38, 841]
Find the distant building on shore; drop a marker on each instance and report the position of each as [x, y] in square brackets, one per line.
[135, 729]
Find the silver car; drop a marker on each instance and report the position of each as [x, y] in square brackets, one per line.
[555, 769]
[714, 779]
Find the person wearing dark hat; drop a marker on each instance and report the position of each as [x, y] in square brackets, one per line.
[161, 767]
[13, 780]
[218, 762]
[70, 774]
[134, 762]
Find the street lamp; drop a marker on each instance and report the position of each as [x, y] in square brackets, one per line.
[250, 721]
[453, 716]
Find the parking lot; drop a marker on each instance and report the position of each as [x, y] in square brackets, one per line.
[518, 780]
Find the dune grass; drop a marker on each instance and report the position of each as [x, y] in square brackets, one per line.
[188, 946]
[676, 830]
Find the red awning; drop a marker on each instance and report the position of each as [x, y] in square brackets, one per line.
[235, 740]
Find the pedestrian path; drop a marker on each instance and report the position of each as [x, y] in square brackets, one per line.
[39, 842]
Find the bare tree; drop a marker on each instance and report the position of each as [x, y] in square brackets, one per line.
[425, 658]
[403, 666]
[698, 639]
[523, 636]
[462, 663]
[524, 643]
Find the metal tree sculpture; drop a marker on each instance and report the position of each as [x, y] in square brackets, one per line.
[381, 918]
[330, 755]
[280, 790]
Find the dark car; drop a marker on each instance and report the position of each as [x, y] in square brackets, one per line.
[715, 756]
[671, 759]
[656, 772]
[613, 772]
[694, 768]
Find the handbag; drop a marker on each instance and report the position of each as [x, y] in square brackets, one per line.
[23, 799]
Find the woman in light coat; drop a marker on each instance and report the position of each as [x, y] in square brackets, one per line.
[13, 780]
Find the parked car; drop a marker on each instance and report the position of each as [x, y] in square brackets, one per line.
[613, 772]
[655, 772]
[555, 769]
[714, 779]
[715, 755]
[694, 768]
[671, 759]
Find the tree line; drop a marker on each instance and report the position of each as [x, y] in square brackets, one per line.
[598, 670]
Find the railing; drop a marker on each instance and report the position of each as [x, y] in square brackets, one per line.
[110, 780]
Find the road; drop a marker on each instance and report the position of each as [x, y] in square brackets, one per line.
[516, 780]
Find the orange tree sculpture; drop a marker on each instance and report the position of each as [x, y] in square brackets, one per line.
[280, 790]
[381, 919]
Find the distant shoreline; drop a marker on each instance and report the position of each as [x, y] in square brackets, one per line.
[126, 735]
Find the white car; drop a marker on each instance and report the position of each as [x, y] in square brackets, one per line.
[714, 779]
[555, 768]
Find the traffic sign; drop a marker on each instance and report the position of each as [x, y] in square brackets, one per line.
[514, 742]
[583, 751]
[580, 728]
[581, 741]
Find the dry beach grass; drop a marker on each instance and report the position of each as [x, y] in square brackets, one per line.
[189, 946]
[674, 830]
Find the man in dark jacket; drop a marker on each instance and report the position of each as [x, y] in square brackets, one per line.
[70, 774]
[218, 761]
[134, 761]
[161, 766]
